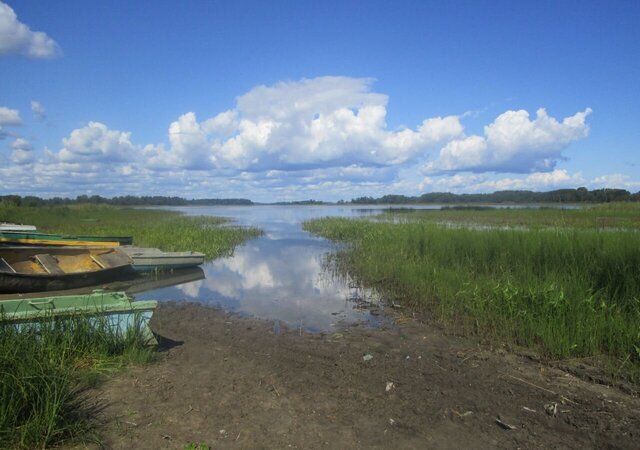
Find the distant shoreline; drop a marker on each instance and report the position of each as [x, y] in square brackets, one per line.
[579, 195]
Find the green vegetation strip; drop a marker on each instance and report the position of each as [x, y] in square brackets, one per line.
[167, 230]
[44, 368]
[605, 216]
[566, 292]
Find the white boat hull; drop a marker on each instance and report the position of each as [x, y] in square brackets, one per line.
[4, 226]
[150, 259]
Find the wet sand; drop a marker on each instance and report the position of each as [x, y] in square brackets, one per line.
[231, 382]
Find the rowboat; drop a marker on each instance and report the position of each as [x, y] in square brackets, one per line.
[39, 269]
[6, 226]
[36, 238]
[115, 310]
[150, 259]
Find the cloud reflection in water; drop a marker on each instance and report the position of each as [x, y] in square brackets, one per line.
[279, 276]
[275, 279]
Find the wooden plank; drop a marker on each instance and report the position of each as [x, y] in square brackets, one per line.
[6, 267]
[49, 264]
[98, 262]
[111, 259]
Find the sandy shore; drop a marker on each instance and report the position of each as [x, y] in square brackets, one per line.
[231, 382]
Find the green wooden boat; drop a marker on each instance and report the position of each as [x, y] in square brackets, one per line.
[120, 310]
[37, 238]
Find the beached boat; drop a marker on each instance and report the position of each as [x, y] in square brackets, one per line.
[120, 311]
[40, 269]
[6, 226]
[36, 238]
[148, 259]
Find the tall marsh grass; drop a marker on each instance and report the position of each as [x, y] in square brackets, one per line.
[44, 368]
[567, 292]
[168, 230]
[603, 216]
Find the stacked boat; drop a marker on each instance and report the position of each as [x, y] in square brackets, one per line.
[16, 239]
[33, 262]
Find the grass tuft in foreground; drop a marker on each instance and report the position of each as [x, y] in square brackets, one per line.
[44, 368]
[565, 292]
[167, 230]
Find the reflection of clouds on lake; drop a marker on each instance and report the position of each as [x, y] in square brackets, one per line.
[191, 289]
[279, 276]
[254, 273]
[279, 280]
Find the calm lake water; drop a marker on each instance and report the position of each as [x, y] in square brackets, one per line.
[279, 276]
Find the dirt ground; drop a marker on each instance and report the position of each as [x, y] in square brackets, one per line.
[231, 382]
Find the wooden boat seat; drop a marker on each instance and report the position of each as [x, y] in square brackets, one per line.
[110, 259]
[49, 264]
[6, 267]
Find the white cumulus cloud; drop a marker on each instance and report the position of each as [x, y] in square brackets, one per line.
[189, 143]
[17, 38]
[311, 123]
[96, 142]
[22, 151]
[616, 180]
[558, 178]
[513, 143]
[323, 138]
[9, 116]
[538, 180]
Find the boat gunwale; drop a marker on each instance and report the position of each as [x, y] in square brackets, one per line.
[141, 306]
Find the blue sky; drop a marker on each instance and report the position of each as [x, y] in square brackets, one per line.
[290, 100]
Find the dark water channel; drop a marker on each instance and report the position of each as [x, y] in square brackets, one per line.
[280, 276]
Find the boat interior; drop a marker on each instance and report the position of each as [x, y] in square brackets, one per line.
[42, 260]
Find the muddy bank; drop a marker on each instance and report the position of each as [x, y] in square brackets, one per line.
[231, 382]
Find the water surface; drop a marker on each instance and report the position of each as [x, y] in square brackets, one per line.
[280, 276]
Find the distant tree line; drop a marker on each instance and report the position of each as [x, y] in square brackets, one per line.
[301, 202]
[127, 200]
[578, 195]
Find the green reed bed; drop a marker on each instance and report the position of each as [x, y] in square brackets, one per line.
[44, 369]
[168, 230]
[566, 292]
[602, 216]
